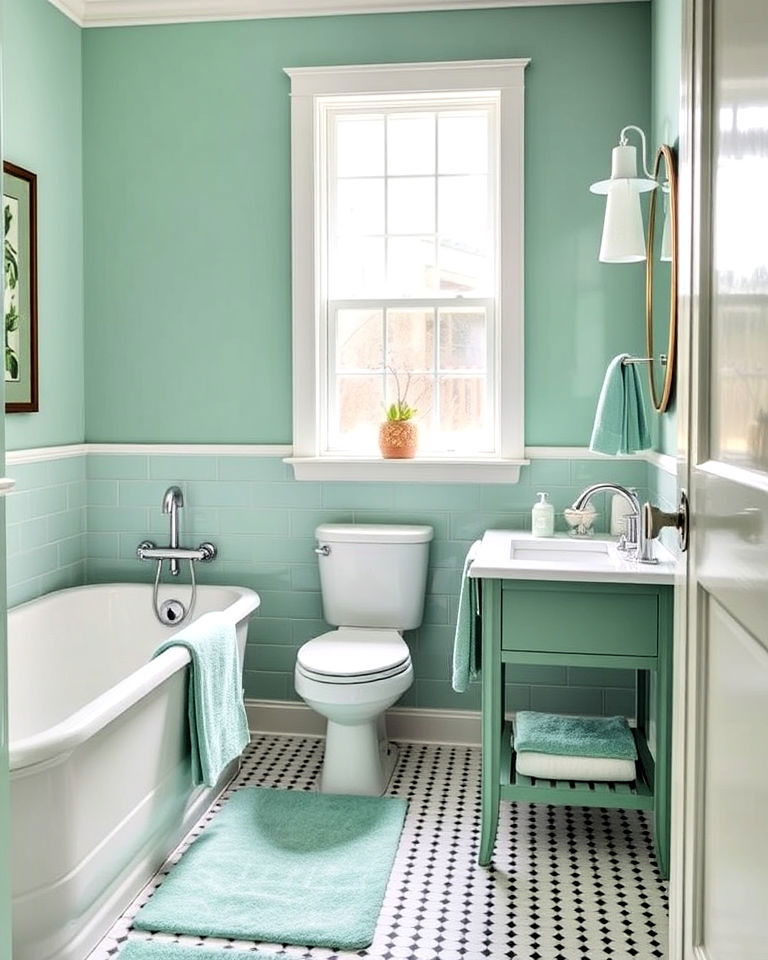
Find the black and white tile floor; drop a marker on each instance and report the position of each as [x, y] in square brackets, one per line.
[568, 883]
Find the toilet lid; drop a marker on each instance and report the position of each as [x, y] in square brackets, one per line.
[354, 652]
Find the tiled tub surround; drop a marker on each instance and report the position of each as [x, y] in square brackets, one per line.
[46, 517]
[263, 522]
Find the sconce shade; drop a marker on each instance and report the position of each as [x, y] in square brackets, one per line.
[623, 240]
[624, 167]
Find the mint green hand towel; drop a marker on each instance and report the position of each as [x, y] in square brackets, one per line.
[218, 726]
[466, 641]
[620, 425]
[557, 735]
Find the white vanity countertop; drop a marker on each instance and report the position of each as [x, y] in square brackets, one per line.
[516, 555]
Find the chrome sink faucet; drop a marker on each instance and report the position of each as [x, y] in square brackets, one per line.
[637, 536]
[173, 500]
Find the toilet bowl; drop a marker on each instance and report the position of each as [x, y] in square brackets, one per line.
[352, 692]
[373, 578]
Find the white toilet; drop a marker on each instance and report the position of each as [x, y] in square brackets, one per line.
[373, 579]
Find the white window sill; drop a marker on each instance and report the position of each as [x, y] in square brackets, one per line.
[419, 469]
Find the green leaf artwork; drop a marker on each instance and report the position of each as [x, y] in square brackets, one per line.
[11, 293]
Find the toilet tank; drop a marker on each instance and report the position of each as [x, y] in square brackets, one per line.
[373, 575]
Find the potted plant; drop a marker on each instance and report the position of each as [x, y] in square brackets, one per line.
[398, 435]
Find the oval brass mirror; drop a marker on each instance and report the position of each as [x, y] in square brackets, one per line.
[661, 280]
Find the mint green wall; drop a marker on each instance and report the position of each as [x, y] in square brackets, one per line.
[667, 45]
[42, 76]
[667, 41]
[187, 209]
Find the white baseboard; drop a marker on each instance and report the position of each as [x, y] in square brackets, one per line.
[408, 724]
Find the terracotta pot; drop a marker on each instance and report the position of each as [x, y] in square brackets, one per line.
[398, 439]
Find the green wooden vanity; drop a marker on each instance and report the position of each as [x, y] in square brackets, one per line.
[625, 625]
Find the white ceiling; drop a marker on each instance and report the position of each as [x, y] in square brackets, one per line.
[105, 13]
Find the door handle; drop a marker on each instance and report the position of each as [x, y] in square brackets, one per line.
[654, 520]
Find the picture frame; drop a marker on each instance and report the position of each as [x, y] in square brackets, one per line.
[20, 288]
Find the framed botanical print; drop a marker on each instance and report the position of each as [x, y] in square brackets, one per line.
[20, 288]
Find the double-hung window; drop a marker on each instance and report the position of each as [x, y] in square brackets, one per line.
[407, 267]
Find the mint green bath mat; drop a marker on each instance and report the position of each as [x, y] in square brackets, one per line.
[284, 866]
[154, 950]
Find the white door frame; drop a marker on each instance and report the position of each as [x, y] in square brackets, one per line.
[692, 425]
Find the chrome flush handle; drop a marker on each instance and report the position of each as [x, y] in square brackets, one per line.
[323, 551]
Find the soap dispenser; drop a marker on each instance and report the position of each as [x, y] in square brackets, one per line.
[543, 517]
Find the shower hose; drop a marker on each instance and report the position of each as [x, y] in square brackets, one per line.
[188, 610]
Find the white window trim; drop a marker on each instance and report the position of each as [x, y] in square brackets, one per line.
[308, 84]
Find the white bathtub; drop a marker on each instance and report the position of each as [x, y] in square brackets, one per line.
[101, 789]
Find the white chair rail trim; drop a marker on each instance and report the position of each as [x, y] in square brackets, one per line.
[284, 451]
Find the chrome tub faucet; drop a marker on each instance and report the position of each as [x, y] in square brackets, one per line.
[173, 500]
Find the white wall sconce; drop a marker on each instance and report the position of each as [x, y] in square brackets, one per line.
[623, 240]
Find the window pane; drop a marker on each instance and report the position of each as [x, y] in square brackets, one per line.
[463, 210]
[360, 146]
[463, 340]
[360, 340]
[418, 393]
[410, 226]
[359, 404]
[462, 404]
[411, 270]
[463, 143]
[357, 267]
[411, 205]
[411, 144]
[410, 340]
[360, 206]
[464, 269]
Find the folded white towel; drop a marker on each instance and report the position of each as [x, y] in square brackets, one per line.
[547, 766]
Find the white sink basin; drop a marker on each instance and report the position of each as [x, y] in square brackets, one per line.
[515, 555]
[575, 552]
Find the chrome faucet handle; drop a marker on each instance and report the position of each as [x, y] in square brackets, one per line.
[633, 528]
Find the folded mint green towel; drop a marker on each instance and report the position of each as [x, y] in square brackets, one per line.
[218, 726]
[466, 641]
[620, 425]
[606, 737]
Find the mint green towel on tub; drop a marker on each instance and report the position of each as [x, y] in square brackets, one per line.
[218, 726]
[602, 737]
[620, 422]
[466, 641]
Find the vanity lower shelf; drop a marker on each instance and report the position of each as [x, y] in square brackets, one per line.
[635, 795]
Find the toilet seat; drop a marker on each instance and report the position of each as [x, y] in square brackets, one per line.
[354, 655]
